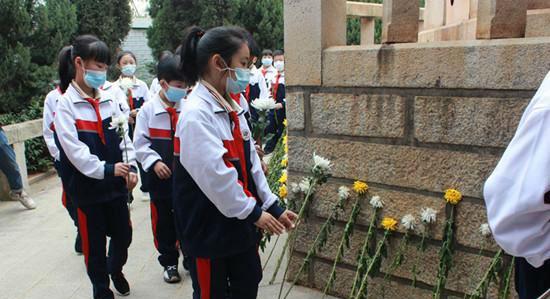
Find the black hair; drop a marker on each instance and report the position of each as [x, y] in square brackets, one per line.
[163, 54]
[267, 52]
[169, 68]
[252, 45]
[278, 53]
[87, 47]
[198, 46]
[124, 53]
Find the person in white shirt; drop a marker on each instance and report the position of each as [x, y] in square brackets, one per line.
[267, 69]
[48, 128]
[91, 155]
[517, 195]
[221, 195]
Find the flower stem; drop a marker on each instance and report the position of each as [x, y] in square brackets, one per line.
[345, 239]
[271, 253]
[361, 261]
[445, 256]
[506, 290]
[377, 254]
[398, 259]
[486, 279]
[293, 233]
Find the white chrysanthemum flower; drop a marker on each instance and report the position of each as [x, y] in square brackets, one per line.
[304, 185]
[321, 163]
[376, 202]
[428, 215]
[126, 83]
[485, 230]
[263, 104]
[343, 192]
[408, 221]
[119, 123]
[294, 188]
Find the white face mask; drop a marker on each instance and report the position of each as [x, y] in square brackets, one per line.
[279, 65]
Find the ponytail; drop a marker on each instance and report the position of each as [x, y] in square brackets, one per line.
[188, 54]
[87, 47]
[65, 68]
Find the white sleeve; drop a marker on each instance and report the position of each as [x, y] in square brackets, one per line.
[515, 192]
[142, 142]
[77, 152]
[264, 90]
[201, 153]
[47, 121]
[122, 100]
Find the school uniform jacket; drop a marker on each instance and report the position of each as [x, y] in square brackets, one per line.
[48, 128]
[154, 141]
[268, 73]
[257, 89]
[214, 213]
[139, 93]
[89, 149]
[517, 193]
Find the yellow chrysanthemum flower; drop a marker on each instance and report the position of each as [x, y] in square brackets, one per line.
[285, 122]
[283, 192]
[286, 148]
[389, 223]
[284, 162]
[285, 140]
[453, 196]
[283, 178]
[360, 187]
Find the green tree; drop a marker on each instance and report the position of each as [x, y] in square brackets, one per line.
[262, 18]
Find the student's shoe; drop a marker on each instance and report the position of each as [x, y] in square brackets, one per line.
[121, 284]
[78, 244]
[23, 198]
[171, 274]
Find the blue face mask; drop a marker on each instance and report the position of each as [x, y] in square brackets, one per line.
[128, 70]
[95, 79]
[267, 61]
[175, 94]
[242, 81]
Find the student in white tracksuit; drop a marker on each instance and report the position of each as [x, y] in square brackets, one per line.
[48, 128]
[517, 195]
[221, 195]
[91, 163]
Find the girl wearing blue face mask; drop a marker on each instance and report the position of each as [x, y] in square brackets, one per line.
[157, 149]
[91, 162]
[222, 201]
[137, 93]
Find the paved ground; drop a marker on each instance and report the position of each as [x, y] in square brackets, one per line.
[37, 258]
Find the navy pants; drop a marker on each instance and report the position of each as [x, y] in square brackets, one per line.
[71, 207]
[164, 230]
[96, 222]
[531, 282]
[275, 127]
[233, 277]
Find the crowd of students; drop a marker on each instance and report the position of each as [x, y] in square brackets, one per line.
[188, 141]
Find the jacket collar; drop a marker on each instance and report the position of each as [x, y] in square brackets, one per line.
[78, 96]
[203, 92]
[159, 107]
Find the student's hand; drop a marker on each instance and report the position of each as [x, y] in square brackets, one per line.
[131, 120]
[278, 106]
[288, 219]
[162, 171]
[133, 113]
[122, 169]
[270, 224]
[131, 181]
[260, 151]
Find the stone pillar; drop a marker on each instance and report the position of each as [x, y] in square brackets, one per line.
[367, 31]
[310, 27]
[434, 14]
[501, 19]
[538, 4]
[400, 21]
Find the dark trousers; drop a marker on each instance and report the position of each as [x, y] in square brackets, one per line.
[275, 126]
[164, 230]
[71, 208]
[233, 277]
[531, 282]
[96, 222]
[144, 179]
